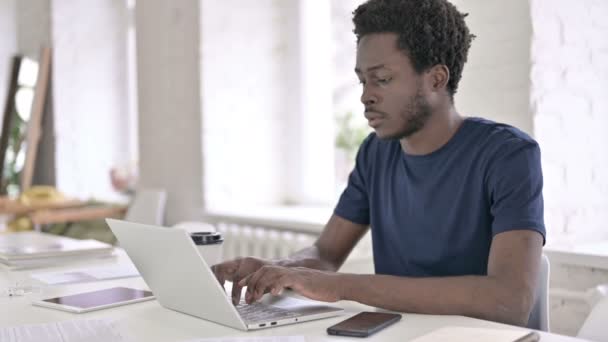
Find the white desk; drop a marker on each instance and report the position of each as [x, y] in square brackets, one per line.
[148, 321]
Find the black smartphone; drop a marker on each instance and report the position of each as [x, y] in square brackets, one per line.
[363, 324]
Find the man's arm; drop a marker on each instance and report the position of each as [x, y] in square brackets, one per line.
[328, 253]
[505, 295]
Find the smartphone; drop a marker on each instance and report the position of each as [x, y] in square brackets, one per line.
[363, 324]
[96, 300]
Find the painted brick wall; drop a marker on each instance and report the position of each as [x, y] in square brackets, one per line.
[569, 78]
[496, 82]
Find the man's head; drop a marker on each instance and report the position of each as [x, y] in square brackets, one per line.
[410, 56]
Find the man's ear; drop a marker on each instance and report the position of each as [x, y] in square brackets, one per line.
[439, 76]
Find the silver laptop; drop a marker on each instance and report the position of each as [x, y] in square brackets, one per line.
[181, 280]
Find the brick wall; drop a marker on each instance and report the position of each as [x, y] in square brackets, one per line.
[569, 78]
[496, 82]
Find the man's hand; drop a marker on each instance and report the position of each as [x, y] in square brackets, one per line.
[235, 270]
[318, 285]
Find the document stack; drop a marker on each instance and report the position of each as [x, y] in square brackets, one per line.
[34, 249]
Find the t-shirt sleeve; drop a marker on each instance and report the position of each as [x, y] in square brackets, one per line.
[515, 186]
[353, 204]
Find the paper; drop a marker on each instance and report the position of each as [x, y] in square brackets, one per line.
[252, 339]
[98, 330]
[458, 334]
[87, 274]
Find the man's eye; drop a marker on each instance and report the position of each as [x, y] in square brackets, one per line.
[384, 80]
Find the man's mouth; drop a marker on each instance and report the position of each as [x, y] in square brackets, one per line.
[374, 122]
[373, 118]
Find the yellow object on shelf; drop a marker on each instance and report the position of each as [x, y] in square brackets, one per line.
[36, 196]
[20, 224]
[41, 195]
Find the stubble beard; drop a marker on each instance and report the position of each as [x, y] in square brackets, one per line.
[416, 115]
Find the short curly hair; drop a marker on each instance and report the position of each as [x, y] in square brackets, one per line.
[430, 32]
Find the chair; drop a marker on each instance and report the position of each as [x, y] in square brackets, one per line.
[594, 328]
[148, 207]
[539, 317]
[195, 226]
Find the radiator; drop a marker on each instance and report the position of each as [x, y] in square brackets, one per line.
[268, 239]
[262, 242]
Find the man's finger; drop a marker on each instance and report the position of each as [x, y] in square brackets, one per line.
[218, 276]
[252, 283]
[265, 283]
[236, 291]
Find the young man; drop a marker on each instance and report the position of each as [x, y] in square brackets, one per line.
[455, 204]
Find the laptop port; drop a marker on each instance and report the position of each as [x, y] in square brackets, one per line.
[262, 325]
[273, 323]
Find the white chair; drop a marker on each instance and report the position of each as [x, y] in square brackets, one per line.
[539, 317]
[595, 327]
[195, 226]
[147, 207]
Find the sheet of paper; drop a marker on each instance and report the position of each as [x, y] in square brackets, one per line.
[463, 334]
[87, 274]
[252, 339]
[90, 330]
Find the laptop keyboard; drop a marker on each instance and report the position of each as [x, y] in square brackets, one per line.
[258, 312]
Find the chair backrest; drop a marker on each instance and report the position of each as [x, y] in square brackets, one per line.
[539, 317]
[148, 207]
[195, 226]
[594, 327]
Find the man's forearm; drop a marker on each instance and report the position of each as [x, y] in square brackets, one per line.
[309, 257]
[475, 296]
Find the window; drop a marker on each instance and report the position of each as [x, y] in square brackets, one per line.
[278, 91]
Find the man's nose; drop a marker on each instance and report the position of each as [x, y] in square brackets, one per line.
[367, 98]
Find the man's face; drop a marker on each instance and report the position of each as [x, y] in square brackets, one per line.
[393, 93]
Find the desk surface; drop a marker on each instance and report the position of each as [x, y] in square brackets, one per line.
[148, 321]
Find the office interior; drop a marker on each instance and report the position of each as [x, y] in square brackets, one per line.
[244, 117]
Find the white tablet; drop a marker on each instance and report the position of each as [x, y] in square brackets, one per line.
[96, 300]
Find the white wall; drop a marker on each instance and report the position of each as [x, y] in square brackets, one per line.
[89, 94]
[168, 73]
[496, 80]
[244, 77]
[570, 107]
[8, 46]
[33, 26]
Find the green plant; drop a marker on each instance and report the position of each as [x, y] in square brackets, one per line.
[350, 134]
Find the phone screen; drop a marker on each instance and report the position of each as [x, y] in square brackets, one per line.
[99, 298]
[364, 324]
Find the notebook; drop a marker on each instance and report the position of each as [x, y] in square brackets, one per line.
[466, 334]
[31, 248]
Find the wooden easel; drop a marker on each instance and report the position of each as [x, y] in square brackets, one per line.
[35, 123]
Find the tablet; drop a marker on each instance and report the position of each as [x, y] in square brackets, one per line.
[96, 300]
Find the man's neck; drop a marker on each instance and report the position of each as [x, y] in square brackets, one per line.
[437, 131]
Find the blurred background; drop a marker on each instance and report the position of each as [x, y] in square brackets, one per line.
[247, 113]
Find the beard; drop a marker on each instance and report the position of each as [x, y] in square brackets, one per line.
[416, 114]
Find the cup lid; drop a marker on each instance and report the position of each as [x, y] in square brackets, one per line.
[206, 238]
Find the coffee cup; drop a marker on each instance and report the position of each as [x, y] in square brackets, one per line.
[209, 246]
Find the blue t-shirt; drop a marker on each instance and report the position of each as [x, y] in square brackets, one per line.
[436, 214]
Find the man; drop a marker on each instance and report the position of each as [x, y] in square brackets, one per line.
[455, 204]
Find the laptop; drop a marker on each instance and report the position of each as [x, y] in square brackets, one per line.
[182, 281]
